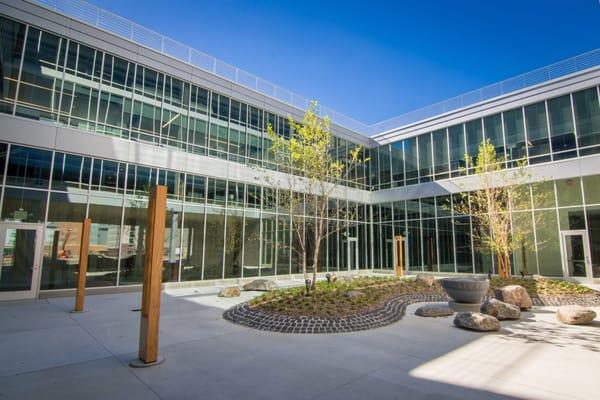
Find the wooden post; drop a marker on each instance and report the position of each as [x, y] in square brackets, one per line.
[399, 251]
[83, 265]
[153, 262]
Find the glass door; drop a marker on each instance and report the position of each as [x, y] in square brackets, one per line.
[576, 255]
[20, 260]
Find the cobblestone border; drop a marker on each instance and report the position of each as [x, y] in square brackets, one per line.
[392, 311]
[563, 300]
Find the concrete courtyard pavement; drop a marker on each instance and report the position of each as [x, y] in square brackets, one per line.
[46, 352]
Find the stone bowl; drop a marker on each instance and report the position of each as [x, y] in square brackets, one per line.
[465, 290]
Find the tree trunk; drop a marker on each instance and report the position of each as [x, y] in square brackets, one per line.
[304, 265]
[507, 265]
[316, 253]
[503, 265]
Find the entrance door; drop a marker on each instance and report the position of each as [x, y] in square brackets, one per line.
[20, 259]
[352, 253]
[576, 259]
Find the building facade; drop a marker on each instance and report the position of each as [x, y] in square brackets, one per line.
[90, 120]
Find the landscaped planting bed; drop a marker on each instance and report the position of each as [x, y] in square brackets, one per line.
[368, 302]
[339, 298]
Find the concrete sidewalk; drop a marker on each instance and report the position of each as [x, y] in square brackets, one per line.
[46, 352]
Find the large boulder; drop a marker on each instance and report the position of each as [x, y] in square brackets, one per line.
[428, 280]
[515, 295]
[575, 315]
[262, 285]
[232, 291]
[345, 278]
[500, 309]
[434, 310]
[476, 322]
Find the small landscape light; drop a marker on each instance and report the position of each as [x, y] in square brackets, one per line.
[307, 283]
[328, 277]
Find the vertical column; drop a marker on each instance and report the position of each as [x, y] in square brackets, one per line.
[83, 265]
[153, 261]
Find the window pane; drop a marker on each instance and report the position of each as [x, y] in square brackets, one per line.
[462, 239]
[440, 153]
[39, 86]
[548, 244]
[252, 243]
[133, 237]
[493, 132]
[105, 213]
[561, 127]
[192, 247]
[514, 131]
[425, 162]
[397, 164]
[28, 167]
[11, 47]
[524, 256]
[568, 192]
[172, 243]
[213, 258]
[457, 148]
[384, 167]
[593, 220]
[474, 132]
[429, 245]
[24, 205]
[410, 156]
[446, 244]
[591, 187]
[537, 132]
[587, 117]
[414, 245]
[63, 237]
[71, 171]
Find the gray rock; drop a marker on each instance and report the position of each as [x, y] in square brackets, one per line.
[354, 294]
[500, 310]
[575, 315]
[344, 278]
[428, 280]
[232, 291]
[262, 285]
[515, 295]
[434, 310]
[476, 322]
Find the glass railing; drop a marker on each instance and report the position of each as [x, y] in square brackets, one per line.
[117, 25]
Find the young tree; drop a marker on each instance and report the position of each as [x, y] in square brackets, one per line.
[313, 176]
[499, 191]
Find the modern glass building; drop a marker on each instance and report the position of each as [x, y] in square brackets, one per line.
[95, 110]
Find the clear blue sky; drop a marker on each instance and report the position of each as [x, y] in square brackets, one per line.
[374, 60]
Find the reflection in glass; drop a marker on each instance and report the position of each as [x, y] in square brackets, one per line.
[133, 238]
[103, 260]
[193, 243]
[213, 258]
[63, 240]
[24, 205]
[17, 263]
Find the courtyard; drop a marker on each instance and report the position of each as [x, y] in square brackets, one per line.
[48, 351]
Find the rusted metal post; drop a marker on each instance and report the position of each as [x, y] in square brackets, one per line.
[83, 265]
[153, 262]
